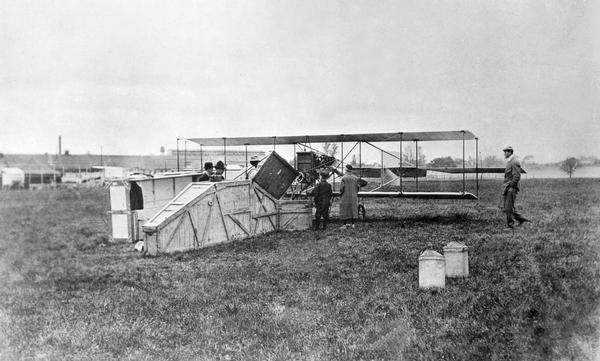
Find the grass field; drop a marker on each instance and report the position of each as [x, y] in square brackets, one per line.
[533, 294]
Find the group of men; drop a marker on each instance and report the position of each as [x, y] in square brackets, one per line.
[212, 173]
[323, 193]
[215, 173]
[350, 184]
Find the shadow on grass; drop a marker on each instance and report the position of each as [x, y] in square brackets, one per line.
[256, 244]
[455, 218]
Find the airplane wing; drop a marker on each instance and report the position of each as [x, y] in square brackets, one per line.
[375, 172]
[416, 195]
[460, 170]
[360, 137]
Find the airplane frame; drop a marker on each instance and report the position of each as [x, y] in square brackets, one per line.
[368, 138]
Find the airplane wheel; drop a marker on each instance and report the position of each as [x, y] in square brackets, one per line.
[362, 212]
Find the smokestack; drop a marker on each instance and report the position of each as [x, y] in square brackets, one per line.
[59, 145]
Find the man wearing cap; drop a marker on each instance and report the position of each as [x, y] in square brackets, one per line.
[204, 176]
[322, 194]
[349, 201]
[254, 161]
[510, 187]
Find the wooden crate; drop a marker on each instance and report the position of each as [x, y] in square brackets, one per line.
[119, 196]
[123, 226]
[204, 214]
[275, 176]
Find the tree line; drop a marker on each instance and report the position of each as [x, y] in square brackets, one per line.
[411, 155]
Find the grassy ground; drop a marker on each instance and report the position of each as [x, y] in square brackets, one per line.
[533, 294]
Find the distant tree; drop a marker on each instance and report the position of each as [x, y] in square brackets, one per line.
[569, 165]
[330, 148]
[527, 159]
[353, 162]
[408, 155]
[492, 161]
[442, 162]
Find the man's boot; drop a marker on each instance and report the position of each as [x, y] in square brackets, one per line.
[521, 220]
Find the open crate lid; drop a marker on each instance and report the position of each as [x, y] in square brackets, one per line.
[275, 175]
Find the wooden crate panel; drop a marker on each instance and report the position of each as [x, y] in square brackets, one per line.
[234, 197]
[217, 232]
[265, 224]
[295, 215]
[238, 225]
[120, 226]
[119, 197]
[183, 239]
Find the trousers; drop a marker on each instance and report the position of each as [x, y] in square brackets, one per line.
[321, 213]
[510, 196]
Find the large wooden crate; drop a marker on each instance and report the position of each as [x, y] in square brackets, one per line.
[204, 214]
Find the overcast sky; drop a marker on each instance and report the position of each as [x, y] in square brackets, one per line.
[131, 76]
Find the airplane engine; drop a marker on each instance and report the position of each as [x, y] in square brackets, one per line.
[309, 164]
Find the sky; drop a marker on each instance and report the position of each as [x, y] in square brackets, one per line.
[127, 77]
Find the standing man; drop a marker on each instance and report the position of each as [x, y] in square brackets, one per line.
[510, 187]
[349, 201]
[322, 194]
[254, 161]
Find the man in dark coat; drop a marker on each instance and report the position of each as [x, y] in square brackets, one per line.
[208, 171]
[322, 194]
[510, 187]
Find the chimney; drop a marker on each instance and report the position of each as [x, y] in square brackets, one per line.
[59, 145]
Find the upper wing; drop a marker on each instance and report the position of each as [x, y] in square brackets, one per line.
[360, 137]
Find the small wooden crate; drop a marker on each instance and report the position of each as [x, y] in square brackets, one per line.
[275, 176]
[123, 226]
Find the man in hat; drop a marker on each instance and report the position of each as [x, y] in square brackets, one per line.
[510, 187]
[205, 175]
[254, 161]
[322, 194]
[219, 170]
[349, 197]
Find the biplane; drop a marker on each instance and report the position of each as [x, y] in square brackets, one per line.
[308, 163]
[174, 212]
